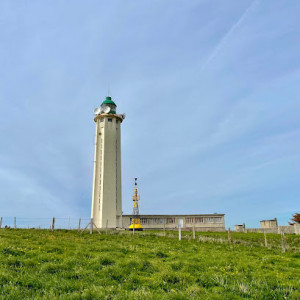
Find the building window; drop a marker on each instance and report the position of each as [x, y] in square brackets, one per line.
[171, 221]
[143, 221]
[189, 220]
[152, 221]
[109, 120]
[101, 120]
[209, 220]
[218, 220]
[162, 221]
[199, 220]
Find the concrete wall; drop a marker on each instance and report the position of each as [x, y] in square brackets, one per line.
[297, 228]
[279, 229]
[268, 226]
[209, 222]
[286, 229]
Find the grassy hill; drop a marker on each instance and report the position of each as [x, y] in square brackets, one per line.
[71, 265]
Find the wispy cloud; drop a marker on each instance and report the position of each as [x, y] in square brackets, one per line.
[224, 39]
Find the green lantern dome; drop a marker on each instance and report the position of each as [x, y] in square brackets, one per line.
[108, 101]
[111, 104]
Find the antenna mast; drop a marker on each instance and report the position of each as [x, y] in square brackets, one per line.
[136, 220]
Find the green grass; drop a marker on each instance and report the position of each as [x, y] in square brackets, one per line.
[70, 265]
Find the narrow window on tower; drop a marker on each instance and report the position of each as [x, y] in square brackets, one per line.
[109, 120]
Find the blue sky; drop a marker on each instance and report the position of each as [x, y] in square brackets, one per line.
[210, 89]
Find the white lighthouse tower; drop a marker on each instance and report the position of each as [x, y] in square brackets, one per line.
[107, 188]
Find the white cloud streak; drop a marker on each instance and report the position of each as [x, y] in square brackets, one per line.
[224, 39]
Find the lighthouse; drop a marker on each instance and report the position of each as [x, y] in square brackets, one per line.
[107, 186]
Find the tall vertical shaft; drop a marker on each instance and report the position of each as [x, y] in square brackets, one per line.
[107, 187]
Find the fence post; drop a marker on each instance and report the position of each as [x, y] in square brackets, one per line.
[91, 228]
[15, 222]
[282, 241]
[194, 234]
[165, 228]
[1, 223]
[53, 224]
[266, 242]
[133, 226]
[179, 233]
[79, 223]
[229, 236]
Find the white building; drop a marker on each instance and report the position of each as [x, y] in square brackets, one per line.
[107, 187]
[200, 222]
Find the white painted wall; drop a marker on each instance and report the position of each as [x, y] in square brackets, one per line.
[107, 187]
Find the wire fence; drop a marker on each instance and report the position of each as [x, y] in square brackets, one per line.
[269, 240]
[43, 223]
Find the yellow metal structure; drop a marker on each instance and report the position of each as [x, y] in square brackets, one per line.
[136, 221]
